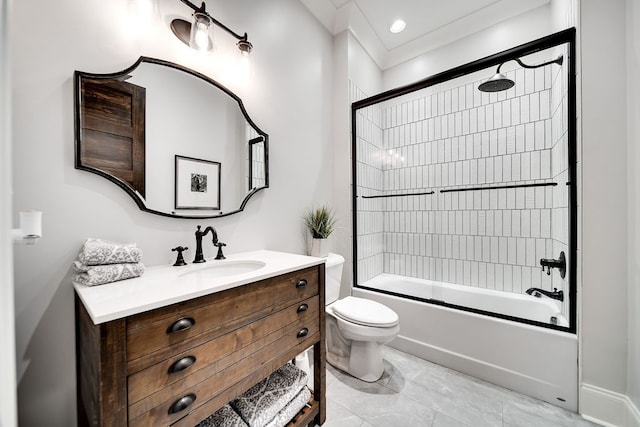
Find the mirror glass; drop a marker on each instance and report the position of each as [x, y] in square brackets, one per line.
[179, 143]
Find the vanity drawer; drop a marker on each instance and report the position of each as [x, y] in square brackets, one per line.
[153, 336]
[222, 351]
[232, 373]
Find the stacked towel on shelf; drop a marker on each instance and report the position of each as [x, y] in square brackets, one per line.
[100, 261]
[291, 409]
[275, 400]
[223, 417]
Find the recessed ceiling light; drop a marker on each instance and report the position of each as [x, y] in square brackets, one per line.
[397, 26]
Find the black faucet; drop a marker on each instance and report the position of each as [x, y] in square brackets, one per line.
[199, 234]
[560, 264]
[537, 292]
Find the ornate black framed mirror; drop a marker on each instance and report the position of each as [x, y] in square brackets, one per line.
[130, 126]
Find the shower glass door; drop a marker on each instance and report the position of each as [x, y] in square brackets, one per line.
[466, 198]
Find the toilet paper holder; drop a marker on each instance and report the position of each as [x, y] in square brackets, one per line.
[30, 229]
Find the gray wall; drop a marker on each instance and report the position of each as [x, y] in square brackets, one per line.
[287, 97]
[633, 160]
[8, 404]
[604, 197]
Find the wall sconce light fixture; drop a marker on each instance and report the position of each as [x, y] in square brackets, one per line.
[500, 82]
[198, 35]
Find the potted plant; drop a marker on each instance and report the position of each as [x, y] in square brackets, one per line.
[321, 223]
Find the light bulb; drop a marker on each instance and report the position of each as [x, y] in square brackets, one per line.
[397, 26]
[200, 38]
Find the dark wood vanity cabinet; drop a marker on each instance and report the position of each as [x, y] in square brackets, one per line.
[176, 365]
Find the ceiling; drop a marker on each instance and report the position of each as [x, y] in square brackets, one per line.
[430, 23]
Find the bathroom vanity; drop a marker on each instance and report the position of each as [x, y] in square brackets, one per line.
[175, 345]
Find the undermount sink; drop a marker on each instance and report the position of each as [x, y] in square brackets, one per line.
[224, 268]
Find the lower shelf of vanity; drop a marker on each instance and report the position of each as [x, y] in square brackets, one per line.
[125, 367]
[306, 416]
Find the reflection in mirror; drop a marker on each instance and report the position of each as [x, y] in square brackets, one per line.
[257, 166]
[131, 126]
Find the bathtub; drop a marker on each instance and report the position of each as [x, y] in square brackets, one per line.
[542, 309]
[533, 360]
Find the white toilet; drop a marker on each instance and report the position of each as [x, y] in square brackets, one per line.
[356, 327]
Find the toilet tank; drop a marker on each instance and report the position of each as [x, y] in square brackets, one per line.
[333, 276]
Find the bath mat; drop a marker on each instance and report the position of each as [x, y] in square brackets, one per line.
[262, 402]
[288, 412]
[223, 417]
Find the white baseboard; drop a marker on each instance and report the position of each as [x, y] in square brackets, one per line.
[608, 408]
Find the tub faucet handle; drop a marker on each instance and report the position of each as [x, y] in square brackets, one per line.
[560, 264]
[548, 268]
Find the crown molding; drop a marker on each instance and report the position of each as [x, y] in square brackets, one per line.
[350, 17]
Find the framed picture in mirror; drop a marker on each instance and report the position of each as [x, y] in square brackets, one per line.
[197, 183]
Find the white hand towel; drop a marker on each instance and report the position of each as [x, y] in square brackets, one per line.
[262, 402]
[100, 252]
[287, 413]
[92, 275]
[223, 417]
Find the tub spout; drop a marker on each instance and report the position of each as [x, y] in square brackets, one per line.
[537, 292]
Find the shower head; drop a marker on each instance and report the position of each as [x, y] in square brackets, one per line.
[497, 83]
[500, 82]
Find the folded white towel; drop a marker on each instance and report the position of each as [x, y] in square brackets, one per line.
[92, 275]
[287, 413]
[99, 252]
[262, 402]
[223, 417]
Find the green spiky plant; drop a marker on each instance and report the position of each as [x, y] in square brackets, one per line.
[320, 222]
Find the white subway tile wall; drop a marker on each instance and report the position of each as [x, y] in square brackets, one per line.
[458, 138]
[369, 169]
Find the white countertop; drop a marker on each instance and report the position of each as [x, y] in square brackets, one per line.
[163, 285]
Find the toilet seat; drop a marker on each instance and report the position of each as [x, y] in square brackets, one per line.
[365, 312]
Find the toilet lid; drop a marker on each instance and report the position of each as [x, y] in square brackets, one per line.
[365, 312]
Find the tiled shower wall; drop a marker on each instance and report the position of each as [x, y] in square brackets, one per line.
[370, 238]
[454, 138]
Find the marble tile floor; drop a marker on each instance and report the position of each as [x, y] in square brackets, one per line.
[415, 392]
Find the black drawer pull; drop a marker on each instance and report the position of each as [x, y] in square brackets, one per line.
[301, 283]
[181, 325]
[182, 403]
[303, 333]
[182, 364]
[303, 307]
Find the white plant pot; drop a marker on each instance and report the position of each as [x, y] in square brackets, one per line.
[319, 248]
